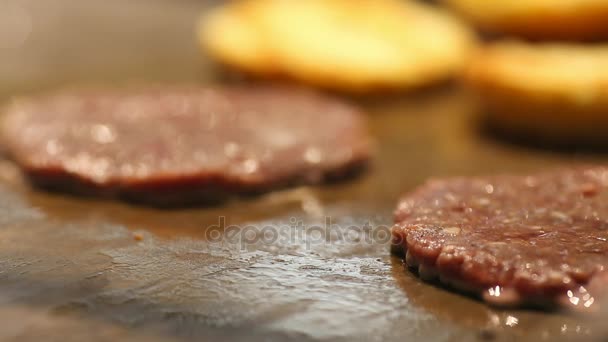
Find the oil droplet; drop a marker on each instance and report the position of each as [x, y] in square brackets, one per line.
[53, 147]
[231, 149]
[103, 134]
[511, 321]
[494, 291]
[559, 215]
[483, 201]
[531, 182]
[250, 166]
[313, 155]
[452, 230]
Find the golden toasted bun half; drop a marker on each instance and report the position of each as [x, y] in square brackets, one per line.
[359, 45]
[345, 45]
[538, 19]
[553, 92]
[230, 34]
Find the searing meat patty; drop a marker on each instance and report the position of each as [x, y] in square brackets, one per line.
[180, 144]
[515, 240]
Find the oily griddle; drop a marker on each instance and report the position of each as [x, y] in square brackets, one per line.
[102, 270]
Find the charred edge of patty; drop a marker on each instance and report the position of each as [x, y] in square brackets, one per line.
[511, 298]
[185, 192]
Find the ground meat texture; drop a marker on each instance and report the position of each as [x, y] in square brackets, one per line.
[536, 240]
[183, 144]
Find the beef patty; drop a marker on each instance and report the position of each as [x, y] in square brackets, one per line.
[515, 240]
[182, 144]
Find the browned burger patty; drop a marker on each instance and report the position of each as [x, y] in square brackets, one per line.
[535, 240]
[180, 144]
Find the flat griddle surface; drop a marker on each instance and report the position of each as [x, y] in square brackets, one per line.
[310, 263]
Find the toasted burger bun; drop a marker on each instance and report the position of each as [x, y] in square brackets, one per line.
[538, 19]
[556, 93]
[345, 45]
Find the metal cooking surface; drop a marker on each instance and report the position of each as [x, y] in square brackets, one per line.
[310, 263]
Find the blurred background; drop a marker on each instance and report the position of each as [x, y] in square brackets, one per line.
[48, 43]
